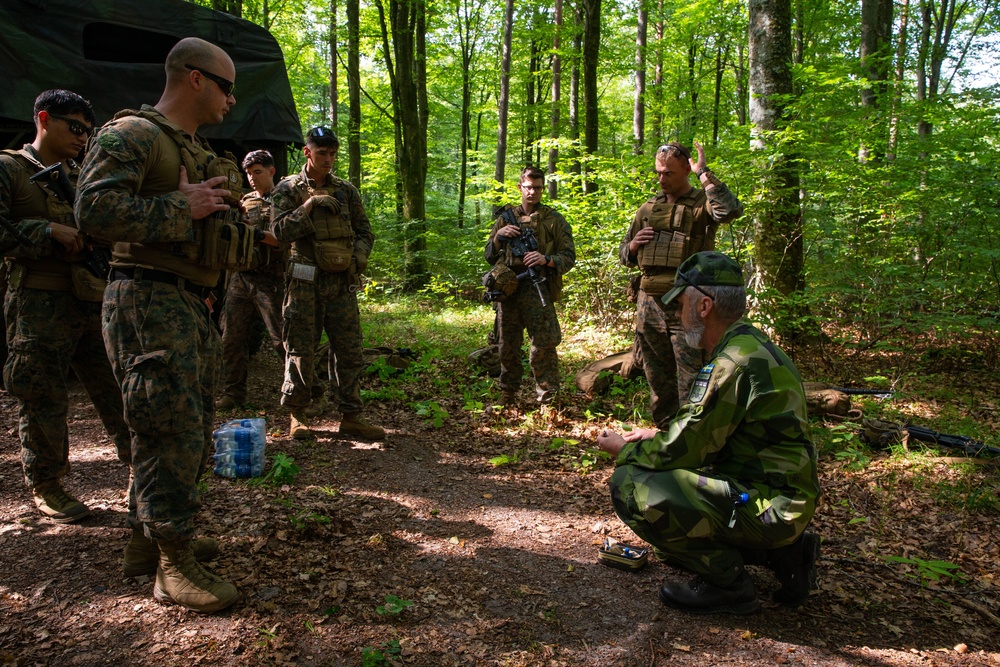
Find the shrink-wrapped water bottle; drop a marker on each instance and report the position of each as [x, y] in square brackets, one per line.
[239, 448]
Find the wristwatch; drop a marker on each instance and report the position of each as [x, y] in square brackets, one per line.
[703, 170]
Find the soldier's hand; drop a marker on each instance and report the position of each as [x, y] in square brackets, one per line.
[326, 201]
[534, 258]
[610, 442]
[505, 232]
[270, 239]
[700, 163]
[204, 198]
[639, 434]
[642, 237]
[69, 238]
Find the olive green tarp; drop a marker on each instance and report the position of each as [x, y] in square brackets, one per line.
[112, 53]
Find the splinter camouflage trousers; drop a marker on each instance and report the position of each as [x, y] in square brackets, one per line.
[50, 332]
[329, 303]
[165, 352]
[523, 310]
[249, 293]
[690, 518]
[669, 362]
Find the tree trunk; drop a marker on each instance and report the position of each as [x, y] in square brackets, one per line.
[354, 93]
[876, 32]
[468, 19]
[334, 99]
[231, 7]
[897, 97]
[574, 93]
[556, 94]
[658, 80]
[503, 102]
[529, 101]
[591, 53]
[778, 226]
[639, 109]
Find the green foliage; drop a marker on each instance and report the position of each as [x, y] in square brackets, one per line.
[929, 570]
[582, 459]
[505, 459]
[394, 606]
[375, 657]
[842, 442]
[283, 471]
[431, 412]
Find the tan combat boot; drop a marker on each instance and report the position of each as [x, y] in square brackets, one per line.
[227, 402]
[299, 428]
[182, 580]
[142, 555]
[355, 425]
[56, 504]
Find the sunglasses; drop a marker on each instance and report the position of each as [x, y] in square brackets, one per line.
[688, 283]
[75, 126]
[225, 85]
[673, 151]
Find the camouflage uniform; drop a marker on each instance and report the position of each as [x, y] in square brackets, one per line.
[260, 290]
[524, 310]
[49, 329]
[743, 429]
[669, 362]
[163, 347]
[330, 301]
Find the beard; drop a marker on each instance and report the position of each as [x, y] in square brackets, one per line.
[694, 332]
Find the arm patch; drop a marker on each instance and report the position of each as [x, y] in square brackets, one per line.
[699, 388]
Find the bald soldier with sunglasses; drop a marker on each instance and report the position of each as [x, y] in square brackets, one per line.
[670, 227]
[53, 304]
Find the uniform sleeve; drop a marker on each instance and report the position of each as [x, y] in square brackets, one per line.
[33, 228]
[701, 428]
[108, 204]
[364, 239]
[623, 254]
[491, 252]
[565, 254]
[291, 221]
[723, 205]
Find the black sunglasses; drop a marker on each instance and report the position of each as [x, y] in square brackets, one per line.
[75, 126]
[673, 150]
[688, 283]
[226, 85]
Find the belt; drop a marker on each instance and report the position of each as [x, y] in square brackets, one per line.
[138, 274]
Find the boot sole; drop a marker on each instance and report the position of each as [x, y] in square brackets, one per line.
[737, 609]
[66, 519]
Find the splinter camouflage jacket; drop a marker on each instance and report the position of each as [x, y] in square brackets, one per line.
[746, 420]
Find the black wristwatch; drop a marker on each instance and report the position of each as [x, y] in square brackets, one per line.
[703, 170]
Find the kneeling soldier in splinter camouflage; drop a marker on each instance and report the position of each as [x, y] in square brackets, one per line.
[53, 306]
[259, 290]
[732, 479]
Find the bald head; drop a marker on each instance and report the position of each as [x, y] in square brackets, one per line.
[197, 53]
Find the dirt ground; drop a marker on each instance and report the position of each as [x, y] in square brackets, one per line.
[498, 562]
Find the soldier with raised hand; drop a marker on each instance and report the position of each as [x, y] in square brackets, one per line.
[53, 304]
[156, 189]
[259, 290]
[670, 227]
[732, 479]
[525, 309]
[323, 218]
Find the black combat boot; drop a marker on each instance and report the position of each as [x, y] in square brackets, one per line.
[795, 568]
[700, 597]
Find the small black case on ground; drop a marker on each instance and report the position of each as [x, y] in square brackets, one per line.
[623, 556]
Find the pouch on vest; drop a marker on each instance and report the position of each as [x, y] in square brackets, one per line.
[86, 286]
[657, 284]
[334, 244]
[334, 255]
[226, 243]
[500, 282]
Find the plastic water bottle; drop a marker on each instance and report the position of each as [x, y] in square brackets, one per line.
[740, 499]
[239, 448]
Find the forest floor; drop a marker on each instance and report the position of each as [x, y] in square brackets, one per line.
[489, 525]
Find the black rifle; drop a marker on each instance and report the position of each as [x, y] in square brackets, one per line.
[877, 393]
[963, 442]
[519, 246]
[97, 259]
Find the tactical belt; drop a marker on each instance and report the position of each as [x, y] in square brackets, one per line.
[138, 274]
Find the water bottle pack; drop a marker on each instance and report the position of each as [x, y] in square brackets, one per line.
[239, 448]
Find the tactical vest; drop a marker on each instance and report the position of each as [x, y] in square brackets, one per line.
[258, 212]
[332, 247]
[677, 236]
[52, 273]
[221, 241]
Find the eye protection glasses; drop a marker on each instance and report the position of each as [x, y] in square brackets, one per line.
[225, 85]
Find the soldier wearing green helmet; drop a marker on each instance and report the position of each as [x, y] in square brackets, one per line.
[732, 479]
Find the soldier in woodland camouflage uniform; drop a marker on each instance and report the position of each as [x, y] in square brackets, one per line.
[524, 309]
[668, 229]
[53, 305]
[323, 218]
[259, 290]
[743, 430]
[154, 187]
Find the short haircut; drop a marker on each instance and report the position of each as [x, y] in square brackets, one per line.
[261, 157]
[190, 51]
[322, 137]
[62, 102]
[531, 173]
[674, 149]
[730, 300]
